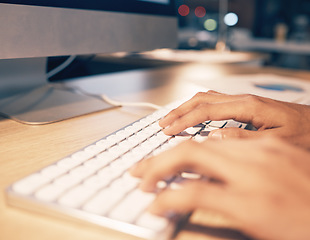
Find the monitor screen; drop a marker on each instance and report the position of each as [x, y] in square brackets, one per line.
[33, 30]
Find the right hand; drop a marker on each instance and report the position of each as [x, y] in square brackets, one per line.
[262, 184]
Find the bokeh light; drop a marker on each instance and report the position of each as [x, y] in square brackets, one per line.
[183, 10]
[210, 24]
[200, 12]
[231, 19]
[192, 42]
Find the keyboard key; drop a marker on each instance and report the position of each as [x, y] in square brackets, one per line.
[118, 150]
[217, 124]
[232, 123]
[104, 144]
[127, 144]
[120, 165]
[199, 138]
[67, 181]
[82, 156]
[132, 206]
[163, 136]
[120, 185]
[110, 173]
[97, 182]
[29, 184]
[153, 222]
[97, 163]
[200, 125]
[191, 130]
[53, 171]
[81, 172]
[68, 163]
[94, 149]
[49, 193]
[76, 196]
[178, 139]
[103, 202]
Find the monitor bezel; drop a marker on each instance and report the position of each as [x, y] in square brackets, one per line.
[129, 6]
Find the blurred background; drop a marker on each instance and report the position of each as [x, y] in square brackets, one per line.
[274, 32]
[277, 27]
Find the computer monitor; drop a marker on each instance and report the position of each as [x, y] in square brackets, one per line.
[32, 30]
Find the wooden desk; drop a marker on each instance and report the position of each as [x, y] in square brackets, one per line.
[24, 149]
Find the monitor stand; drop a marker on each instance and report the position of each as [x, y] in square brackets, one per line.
[27, 97]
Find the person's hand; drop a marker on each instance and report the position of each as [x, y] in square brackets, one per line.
[270, 117]
[262, 184]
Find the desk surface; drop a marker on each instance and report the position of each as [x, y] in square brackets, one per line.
[24, 149]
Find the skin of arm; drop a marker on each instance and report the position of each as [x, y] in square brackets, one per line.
[270, 117]
[263, 184]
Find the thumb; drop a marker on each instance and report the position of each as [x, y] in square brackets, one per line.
[227, 133]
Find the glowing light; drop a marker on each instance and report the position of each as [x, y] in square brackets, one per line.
[231, 19]
[183, 10]
[210, 24]
[200, 12]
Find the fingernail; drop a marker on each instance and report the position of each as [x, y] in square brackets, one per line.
[160, 123]
[166, 130]
[166, 127]
[216, 135]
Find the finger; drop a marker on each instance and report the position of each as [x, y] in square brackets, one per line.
[215, 93]
[147, 165]
[192, 118]
[189, 156]
[228, 133]
[252, 158]
[199, 98]
[139, 169]
[196, 195]
[239, 110]
[244, 154]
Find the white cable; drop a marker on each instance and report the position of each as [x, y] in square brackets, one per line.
[61, 66]
[103, 97]
[130, 104]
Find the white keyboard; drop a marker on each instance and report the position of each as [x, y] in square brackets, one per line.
[93, 184]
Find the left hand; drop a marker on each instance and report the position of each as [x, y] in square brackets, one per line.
[270, 117]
